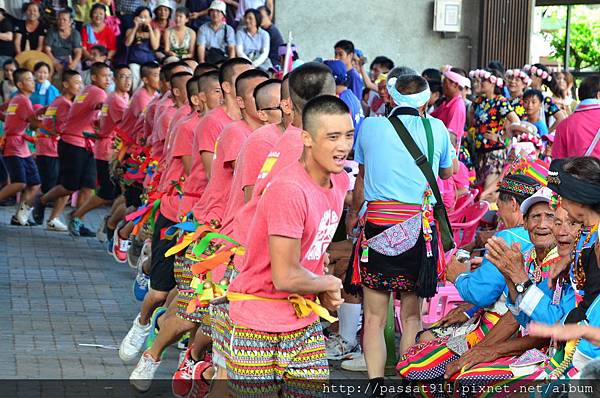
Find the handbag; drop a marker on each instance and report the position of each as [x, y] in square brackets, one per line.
[215, 55]
[439, 210]
[398, 238]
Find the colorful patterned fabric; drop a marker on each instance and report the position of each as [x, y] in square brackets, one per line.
[259, 362]
[490, 115]
[428, 361]
[220, 332]
[378, 281]
[390, 212]
[182, 269]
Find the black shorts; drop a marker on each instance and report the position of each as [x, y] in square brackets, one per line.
[3, 172]
[107, 188]
[162, 277]
[48, 168]
[22, 170]
[77, 167]
[133, 195]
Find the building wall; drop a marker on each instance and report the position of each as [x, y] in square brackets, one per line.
[399, 29]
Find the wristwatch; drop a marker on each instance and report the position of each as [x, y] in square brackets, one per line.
[522, 287]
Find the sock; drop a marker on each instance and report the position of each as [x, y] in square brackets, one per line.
[110, 232]
[349, 315]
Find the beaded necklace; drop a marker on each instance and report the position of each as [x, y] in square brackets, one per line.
[579, 272]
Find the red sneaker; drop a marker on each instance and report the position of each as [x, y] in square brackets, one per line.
[200, 385]
[120, 247]
[182, 378]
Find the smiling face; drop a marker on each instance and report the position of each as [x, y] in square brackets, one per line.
[250, 21]
[98, 16]
[163, 13]
[561, 81]
[180, 19]
[539, 222]
[487, 88]
[74, 85]
[64, 21]
[565, 231]
[515, 85]
[42, 74]
[330, 142]
[32, 13]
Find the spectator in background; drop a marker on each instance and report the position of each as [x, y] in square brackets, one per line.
[275, 38]
[452, 111]
[7, 86]
[97, 54]
[63, 44]
[180, 40]
[162, 16]
[380, 65]
[216, 39]
[83, 10]
[344, 51]
[30, 33]
[126, 10]
[562, 89]
[7, 47]
[575, 135]
[245, 5]
[142, 41]
[199, 10]
[432, 74]
[252, 42]
[44, 92]
[97, 33]
[436, 95]
[338, 69]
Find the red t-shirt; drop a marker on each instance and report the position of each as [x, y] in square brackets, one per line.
[106, 37]
[287, 150]
[142, 136]
[252, 155]
[110, 116]
[160, 129]
[180, 114]
[55, 115]
[211, 125]
[82, 116]
[18, 113]
[212, 203]
[137, 106]
[182, 134]
[454, 115]
[296, 207]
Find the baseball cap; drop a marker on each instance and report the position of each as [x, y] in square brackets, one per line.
[338, 69]
[219, 6]
[542, 195]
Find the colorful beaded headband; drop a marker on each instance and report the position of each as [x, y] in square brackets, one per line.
[538, 169]
[485, 75]
[517, 187]
[520, 74]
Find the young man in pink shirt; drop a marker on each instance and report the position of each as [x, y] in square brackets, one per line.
[75, 149]
[453, 111]
[21, 167]
[162, 280]
[211, 206]
[209, 128]
[47, 147]
[267, 97]
[293, 226]
[113, 111]
[211, 97]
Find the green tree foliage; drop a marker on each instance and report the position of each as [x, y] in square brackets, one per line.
[585, 45]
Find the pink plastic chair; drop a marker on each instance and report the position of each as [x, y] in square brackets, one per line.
[459, 208]
[465, 227]
[444, 301]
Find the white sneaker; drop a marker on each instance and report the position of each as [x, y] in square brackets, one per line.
[56, 225]
[23, 214]
[133, 342]
[337, 348]
[144, 255]
[101, 232]
[356, 364]
[142, 375]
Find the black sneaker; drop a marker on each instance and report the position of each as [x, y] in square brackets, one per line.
[38, 210]
[86, 232]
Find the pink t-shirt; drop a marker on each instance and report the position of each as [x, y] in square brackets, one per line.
[212, 124]
[252, 155]
[82, 117]
[454, 115]
[575, 134]
[180, 114]
[287, 150]
[110, 116]
[55, 115]
[296, 207]
[212, 203]
[160, 129]
[142, 136]
[18, 113]
[183, 133]
[137, 106]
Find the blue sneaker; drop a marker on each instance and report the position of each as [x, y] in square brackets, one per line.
[154, 327]
[140, 286]
[75, 226]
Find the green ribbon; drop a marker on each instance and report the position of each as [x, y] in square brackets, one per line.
[205, 241]
[155, 207]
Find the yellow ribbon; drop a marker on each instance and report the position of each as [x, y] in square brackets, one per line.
[303, 306]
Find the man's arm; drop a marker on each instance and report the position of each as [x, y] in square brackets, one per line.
[290, 276]
[207, 160]
[187, 164]
[446, 173]
[358, 198]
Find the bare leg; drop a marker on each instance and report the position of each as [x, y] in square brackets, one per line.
[152, 301]
[410, 316]
[92, 203]
[54, 194]
[83, 196]
[11, 190]
[59, 207]
[116, 216]
[171, 329]
[30, 193]
[375, 307]
[201, 341]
